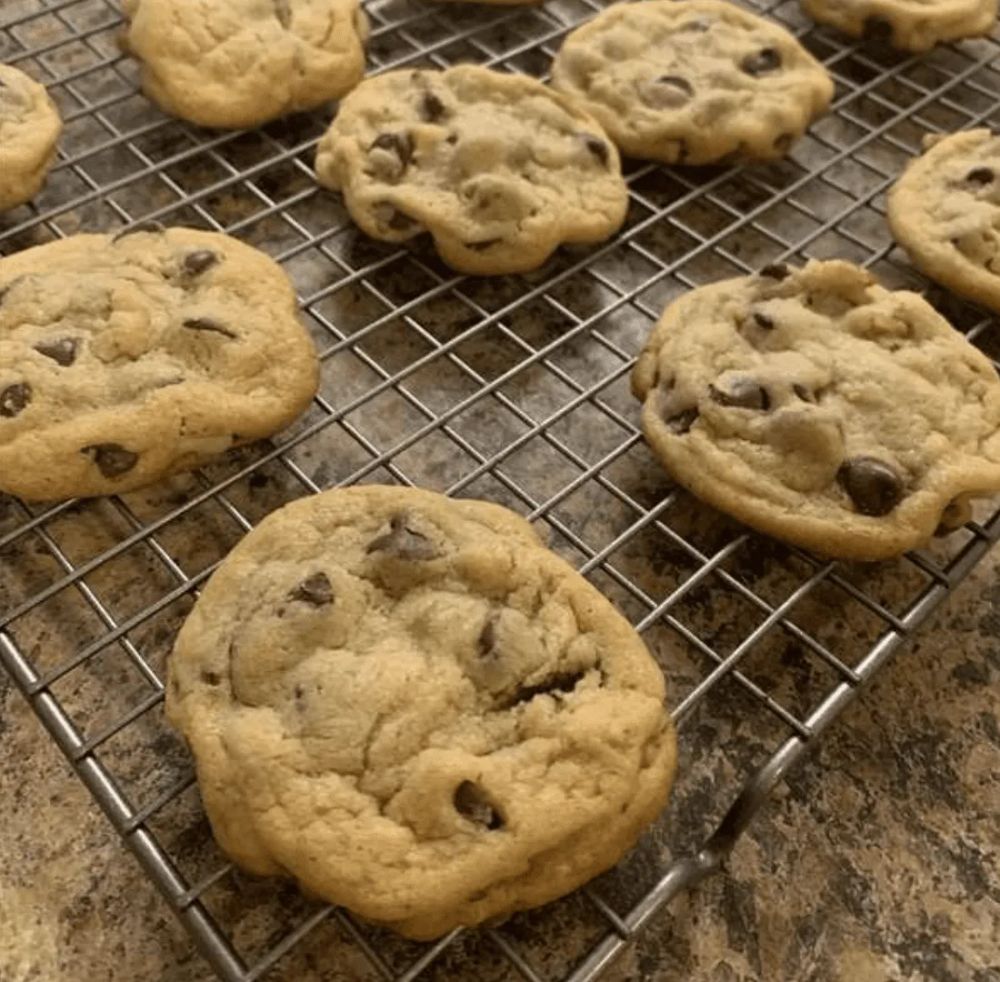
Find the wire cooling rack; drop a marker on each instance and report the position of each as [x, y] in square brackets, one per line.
[512, 389]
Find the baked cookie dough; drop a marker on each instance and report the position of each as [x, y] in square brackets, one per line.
[945, 211]
[821, 408]
[29, 128]
[497, 167]
[693, 81]
[240, 63]
[412, 707]
[910, 25]
[124, 359]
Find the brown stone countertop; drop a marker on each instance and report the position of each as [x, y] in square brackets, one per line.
[881, 861]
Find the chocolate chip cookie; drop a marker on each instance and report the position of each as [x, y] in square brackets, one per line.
[125, 358]
[910, 25]
[412, 707]
[693, 81]
[29, 128]
[821, 408]
[240, 63]
[945, 211]
[497, 168]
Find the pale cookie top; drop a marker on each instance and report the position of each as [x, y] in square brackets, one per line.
[910, 25]
[692, 81]
[945, 211]
[498, 168]
[29, 128]
[121, 361]
[236, 63]
[821, 408]
[411, 706]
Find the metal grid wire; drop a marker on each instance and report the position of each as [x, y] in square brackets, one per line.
[512, 389]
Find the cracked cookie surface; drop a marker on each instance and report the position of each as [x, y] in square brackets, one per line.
[240, 63]
[909, 25]
[693, 81]
[498, 168]
[125, 359]
[29, 128]
[821, 408]
[945, 211]
[411, 706]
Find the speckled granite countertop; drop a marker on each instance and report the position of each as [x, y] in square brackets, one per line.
[881, 861]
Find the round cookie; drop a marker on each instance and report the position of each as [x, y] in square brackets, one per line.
[411, 706]
[497, 167]
[692, 81]
[29, 128]
[240, 63]
[821, 408]
[909, 25]
[124, 359]
[945, 211]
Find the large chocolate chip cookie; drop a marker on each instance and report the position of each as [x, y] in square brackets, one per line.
[412, 707]
[821, 408]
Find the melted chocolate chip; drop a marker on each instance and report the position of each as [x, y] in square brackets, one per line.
[14, 399]
[401, 144]
[761, 62]
[207, 325]
[487, 640]
[561, 682]
[62, 350]
[762, 320]
[680, 423]
[473, 803]
[775, 271]
[597, 147]
[431, 108]
[112, 459]
[873, 485]
[402, 542]
[195, 263]
[803, 393]
[744, 393]
[980, 175]
[676, 82]
[315, 590]
[666, 92]
[210, 678]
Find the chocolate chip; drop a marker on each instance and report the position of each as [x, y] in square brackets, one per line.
[744, 393]
[195, 263]
[401, 144]
[482, 246]
[473, 803]
[597, 147]
[402, 542]
[803, 393]
[315, 590]
[666, 92]
[761, 62]
[775, 271]
[112, 459]
[980, 175]
[561, 682]
[873, 485]
[210, 678]
[62, 350]
[283, 12]
[699, 25]
[680, 423]
[207, 325]
[431, 108]
[876, 29]
[763, 320]
[14, 399]
[676, 82]
[487, 640]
